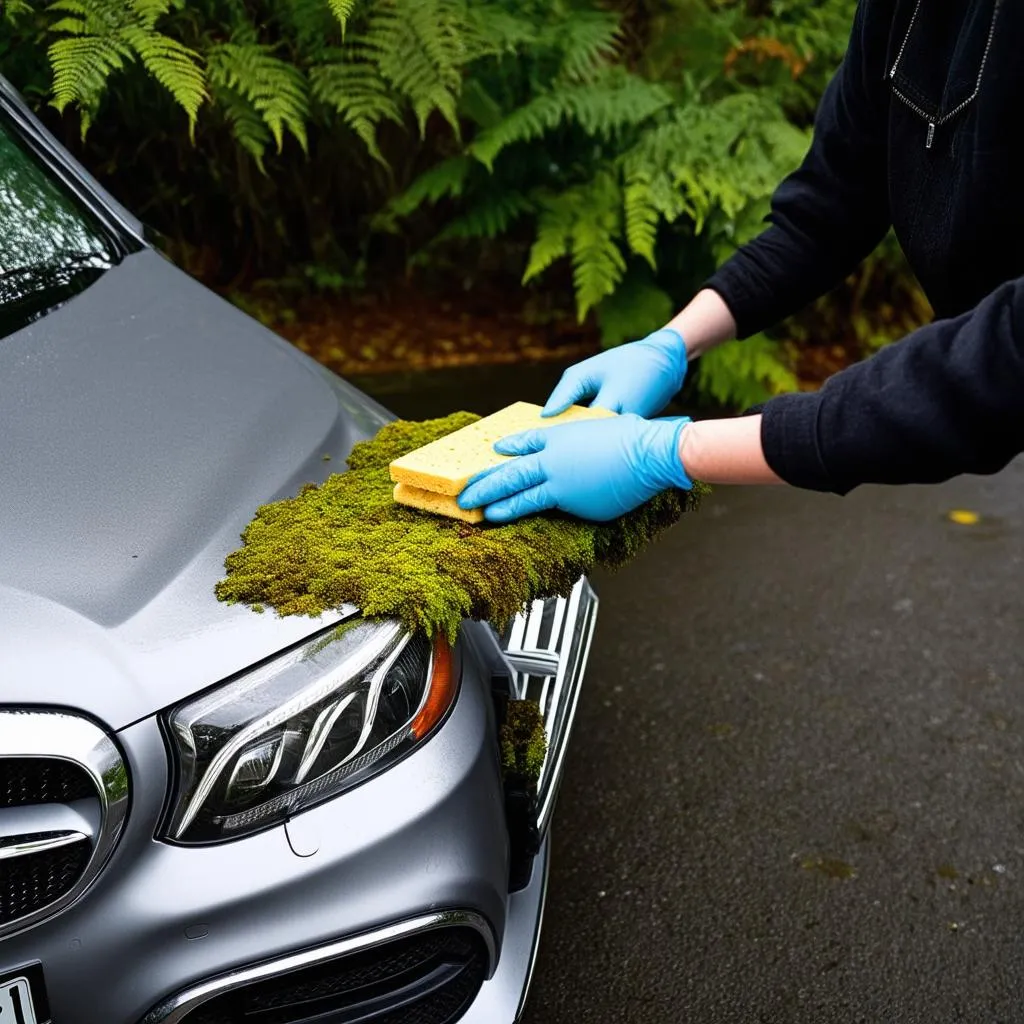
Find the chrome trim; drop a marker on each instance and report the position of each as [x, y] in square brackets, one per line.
[545, 866]
[52, 841]
[557, 662]
[177, 1007]
[62, 736]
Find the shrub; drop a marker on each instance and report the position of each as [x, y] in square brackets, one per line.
[630, 146]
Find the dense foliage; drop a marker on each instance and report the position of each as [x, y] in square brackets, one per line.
[616, 150]
[347, 541]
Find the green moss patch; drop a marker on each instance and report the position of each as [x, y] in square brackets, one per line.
[524, 743]
[347, 541]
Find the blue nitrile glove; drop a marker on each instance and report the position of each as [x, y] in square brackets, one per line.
[641, 376]
[594, 469]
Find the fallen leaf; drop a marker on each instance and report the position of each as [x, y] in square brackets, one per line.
[964, 517]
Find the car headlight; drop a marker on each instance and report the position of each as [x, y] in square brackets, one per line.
[303, 727]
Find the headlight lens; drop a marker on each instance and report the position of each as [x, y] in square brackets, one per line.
[304, 727]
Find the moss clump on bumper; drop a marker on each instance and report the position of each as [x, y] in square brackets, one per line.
[347, 541]
[524, 743]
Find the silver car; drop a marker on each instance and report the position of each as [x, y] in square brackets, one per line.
[209, 816]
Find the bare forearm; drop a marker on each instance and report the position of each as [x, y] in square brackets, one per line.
[704, 323]
[725, 452]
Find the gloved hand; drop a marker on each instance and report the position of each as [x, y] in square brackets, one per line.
[641, 376]
[593, 469]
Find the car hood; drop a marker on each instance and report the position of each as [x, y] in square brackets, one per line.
[141, 425]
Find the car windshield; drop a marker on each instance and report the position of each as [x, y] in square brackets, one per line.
[51, 248]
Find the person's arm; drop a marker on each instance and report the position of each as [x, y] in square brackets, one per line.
[726, 452]
[945, 400]
[704, 323]
[825, 218]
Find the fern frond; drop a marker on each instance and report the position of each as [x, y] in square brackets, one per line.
[173, 65]
[420, 48]
[585, 223]
[597, 260]
[636, 307]
[360, 96]
[650, 195]
[744, 373]
[588, 41]
[102, 36]
[444, 179]
[342, 10]
[642, 216]
[247, 126]
[81, 66]
[149, 11]
[554, 234]
[275, 88]
[618, 101]
[11, 10]
[502, 31]
[489, 217]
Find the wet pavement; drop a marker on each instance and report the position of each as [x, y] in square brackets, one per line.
[796, 788]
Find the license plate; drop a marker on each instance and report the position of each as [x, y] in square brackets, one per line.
[22, 997]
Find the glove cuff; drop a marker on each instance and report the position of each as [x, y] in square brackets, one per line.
[672, 343]
[671, 472]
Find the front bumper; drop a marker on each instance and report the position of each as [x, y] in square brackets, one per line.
[162, 918]
[422, 846]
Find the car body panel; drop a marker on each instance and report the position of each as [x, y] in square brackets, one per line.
[143, 423]
[427, 834]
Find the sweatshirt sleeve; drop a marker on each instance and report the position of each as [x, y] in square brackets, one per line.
[945, 400]
[831, 212]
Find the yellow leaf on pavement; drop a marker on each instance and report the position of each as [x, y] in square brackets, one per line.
[964, 517]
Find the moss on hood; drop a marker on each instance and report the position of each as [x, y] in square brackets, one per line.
[347, 541]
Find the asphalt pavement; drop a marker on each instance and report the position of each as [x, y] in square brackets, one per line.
[795, 792]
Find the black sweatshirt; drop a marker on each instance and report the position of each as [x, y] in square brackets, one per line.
[922, 128]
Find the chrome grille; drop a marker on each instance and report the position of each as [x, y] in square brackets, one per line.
[41, 876]
[425, 979]
[38, 780]
[63, 799]
[547, 647]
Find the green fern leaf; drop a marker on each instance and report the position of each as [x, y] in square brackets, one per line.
[149, 11]
[554, 234]
[173, 65]
[11, 10]
[589, 41]
[619, 101]
[275, 88]
[642, 216]
[342, 10]
[598, 263]
[247, 126]
[488, 218]
[745, 373]
[636, 307]
[442, 180]
[360, 96]
[420, 47]
[81, 66]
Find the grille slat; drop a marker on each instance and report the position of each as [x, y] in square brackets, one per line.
[456, 956]
[41, 780]
[64, 792]
[31, 883]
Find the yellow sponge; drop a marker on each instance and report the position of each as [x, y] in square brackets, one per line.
[439, 504]
[444, 466]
